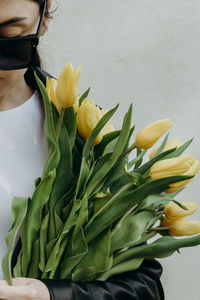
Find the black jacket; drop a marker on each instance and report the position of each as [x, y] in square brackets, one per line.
[142, 284]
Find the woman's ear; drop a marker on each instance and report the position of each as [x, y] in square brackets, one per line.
[46, 18]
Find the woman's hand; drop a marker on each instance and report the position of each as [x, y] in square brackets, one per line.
[24, 289]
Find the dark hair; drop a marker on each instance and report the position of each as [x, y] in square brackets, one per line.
[40, 2]
[47, 14]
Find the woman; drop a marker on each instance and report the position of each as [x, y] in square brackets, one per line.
[20, 105]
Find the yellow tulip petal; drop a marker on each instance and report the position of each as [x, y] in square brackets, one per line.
[193, 169]
[88, 115]
[51, 84]
[76, 105]
[68, 86]
[173, 211]
[171, 167]
[149, 135]
[184, 227]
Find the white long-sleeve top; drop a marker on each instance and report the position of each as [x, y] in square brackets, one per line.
[22, 157]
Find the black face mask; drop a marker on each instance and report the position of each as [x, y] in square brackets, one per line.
[20, 52]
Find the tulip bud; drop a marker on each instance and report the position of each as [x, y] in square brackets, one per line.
[51, 87]
[88, 116]
[76, 105]
[172, 166]
[169, 145]
[184, 227]
[68, 86]
[149, 135]
[194, 168]
[173, 211]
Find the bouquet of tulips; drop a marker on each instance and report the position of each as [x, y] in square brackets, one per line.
[95, 211]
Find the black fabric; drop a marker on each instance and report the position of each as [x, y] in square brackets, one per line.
[141, 284]
[30, 77]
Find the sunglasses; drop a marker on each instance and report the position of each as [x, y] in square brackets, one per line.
[20, 52]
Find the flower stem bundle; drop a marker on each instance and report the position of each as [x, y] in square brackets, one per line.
[94, 211]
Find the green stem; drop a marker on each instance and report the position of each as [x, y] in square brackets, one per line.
[159, 228]
[127, 151]
[58, 127]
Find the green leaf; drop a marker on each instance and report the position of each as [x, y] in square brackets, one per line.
[145, 238]
[17, 271]
[121, 143]
[84, 96]
[19, 210]
[107, 139]
[53, 262]
[154, 202]
[123, 201]
[82, 217]
[34, 271]
[138, 159]
[116, 177]
[95, 260]
[100, 200]
[130, 230]
[50, 133]
[43, 241]
[48, 248]
[84, 173]
[172, 195]
[37, 181]
[69, 121]
[77, 160]
[163, 247]
[33, 220]
[143, 169]
[58, 257]
[73, 254]
[178, 151]
[63, 174]
[123, 267]
[135, 177]
[66, 211]
[162, 146]
[60, 205]
[97, 129]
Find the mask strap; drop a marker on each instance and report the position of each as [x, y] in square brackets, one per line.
[42, 17]
[36, 40]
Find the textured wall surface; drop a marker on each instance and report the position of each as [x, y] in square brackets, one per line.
[148, 53]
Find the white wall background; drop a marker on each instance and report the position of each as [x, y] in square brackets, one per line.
[148, 53]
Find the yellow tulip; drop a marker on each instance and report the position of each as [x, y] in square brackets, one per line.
[149, 135]
[184, 227]
[169, 145]
[194, 168]
[172, 166]
[51, 87]
[88, 115]
[173, 211]
[67, 88]
[76, 105]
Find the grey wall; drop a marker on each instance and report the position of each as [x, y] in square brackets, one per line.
[145, 52]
